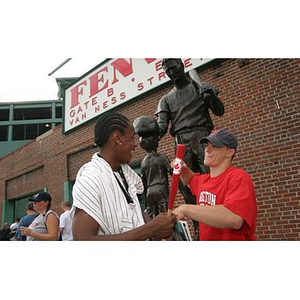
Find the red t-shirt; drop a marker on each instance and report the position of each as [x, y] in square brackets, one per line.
[234, 189]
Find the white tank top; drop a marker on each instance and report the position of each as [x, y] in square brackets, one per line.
[39, 224]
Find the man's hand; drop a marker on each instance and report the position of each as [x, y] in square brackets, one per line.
[179, 212]
[163, 226]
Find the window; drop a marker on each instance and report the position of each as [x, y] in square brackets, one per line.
[32, 113]
[4, 114]
[42, 128]
[18, 132]
[3, 133]
[29, 131]
[58, 112]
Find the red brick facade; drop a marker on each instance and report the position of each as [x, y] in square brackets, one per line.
[262, 108]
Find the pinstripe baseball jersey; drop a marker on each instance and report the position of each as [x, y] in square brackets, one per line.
[97, 192]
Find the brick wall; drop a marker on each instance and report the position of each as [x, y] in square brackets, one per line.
[19, 185]
[262, 109]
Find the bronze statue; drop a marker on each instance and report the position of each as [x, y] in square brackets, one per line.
[187, 107]
[155, 167]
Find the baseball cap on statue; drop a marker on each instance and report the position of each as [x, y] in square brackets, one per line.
[221, 138]
[42, 196]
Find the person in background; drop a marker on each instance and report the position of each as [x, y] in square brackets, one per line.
[226, 203]
[65, 222]
[105, 202]
[13, 229]
[45, 226]
[25, 221]
[14, 226]
[4, 232]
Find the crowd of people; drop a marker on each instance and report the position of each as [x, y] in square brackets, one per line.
[40, 222]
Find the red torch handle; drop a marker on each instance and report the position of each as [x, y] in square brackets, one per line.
[176, 176]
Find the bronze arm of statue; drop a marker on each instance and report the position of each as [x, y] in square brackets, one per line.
[210, 96]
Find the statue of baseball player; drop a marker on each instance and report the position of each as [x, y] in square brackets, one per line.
[187, 107]
[155, 167]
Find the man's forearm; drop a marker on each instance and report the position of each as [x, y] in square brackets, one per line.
[215, 216]
[186, 174]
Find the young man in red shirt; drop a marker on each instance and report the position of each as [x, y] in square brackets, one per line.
[226, 203]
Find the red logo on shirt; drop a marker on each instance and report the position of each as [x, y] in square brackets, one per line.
[207, 198]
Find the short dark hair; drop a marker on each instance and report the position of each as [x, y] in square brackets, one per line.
[66, 203]
[29, 205]
[107, 124]
[166, 60]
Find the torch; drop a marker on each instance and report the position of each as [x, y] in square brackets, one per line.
[176, 176]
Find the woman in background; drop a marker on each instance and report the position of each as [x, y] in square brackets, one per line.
[45, 226]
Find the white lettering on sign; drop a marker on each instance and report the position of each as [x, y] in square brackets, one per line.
[114, 83]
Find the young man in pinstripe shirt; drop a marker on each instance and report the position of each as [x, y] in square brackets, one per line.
[105, 202]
